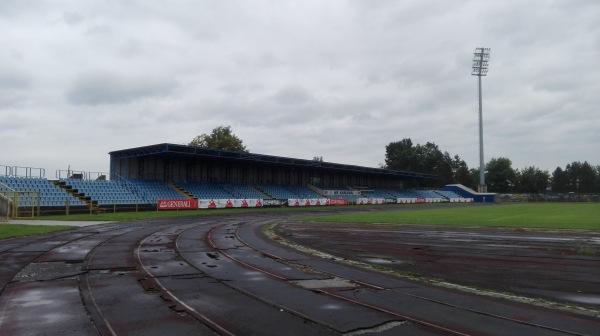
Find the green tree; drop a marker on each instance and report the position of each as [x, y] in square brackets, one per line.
[559, 181]
[461, 171]
[597, 185]
[532, 180]
[445, 168]
[220, 138]
[474, 178]
[401, 155]
[428, 158]
[500, 176]
[588, 178]
[581, 177]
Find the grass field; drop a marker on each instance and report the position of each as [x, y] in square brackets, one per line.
[145, 215]
[526, 215]
[19, 230]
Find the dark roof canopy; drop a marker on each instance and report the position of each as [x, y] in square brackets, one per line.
[173, 150]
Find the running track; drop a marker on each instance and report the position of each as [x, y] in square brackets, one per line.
[219, 275]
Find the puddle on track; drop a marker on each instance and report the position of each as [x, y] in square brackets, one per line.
[325, 283]
[383, 261]
[583, 298]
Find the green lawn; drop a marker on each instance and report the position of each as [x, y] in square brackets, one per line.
[527, 215]
[19, 230]
[146, 215]
[131, 216]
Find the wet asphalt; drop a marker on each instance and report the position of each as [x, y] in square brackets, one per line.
[220, 275]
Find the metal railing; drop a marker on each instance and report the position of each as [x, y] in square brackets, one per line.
[566, 197]
[7, 170]
[18, 171]
[81, 175]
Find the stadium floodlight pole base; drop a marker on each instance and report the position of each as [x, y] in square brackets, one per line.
[482, 188]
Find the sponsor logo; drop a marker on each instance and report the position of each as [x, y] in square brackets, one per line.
[177, 204]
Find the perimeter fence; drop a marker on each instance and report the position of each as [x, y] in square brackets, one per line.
[5, 207]
[546, 198]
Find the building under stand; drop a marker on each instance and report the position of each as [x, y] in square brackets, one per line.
[171, 162]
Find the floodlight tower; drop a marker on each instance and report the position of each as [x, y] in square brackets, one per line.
[481, 57]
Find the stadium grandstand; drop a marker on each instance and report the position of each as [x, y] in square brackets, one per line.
[140, 178]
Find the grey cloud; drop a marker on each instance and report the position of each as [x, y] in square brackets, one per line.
[72, 18]
[236, 90]
[261, 61]
[16, 55]
[109, 88]
[14, 87]
[10, 100]
[292, 96]
[12, 80]
[12, 8]
[299, 79]
[99, 29]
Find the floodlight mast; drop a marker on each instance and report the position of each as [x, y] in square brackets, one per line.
[481, 57]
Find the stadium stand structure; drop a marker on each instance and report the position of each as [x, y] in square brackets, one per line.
[469, 193]
[169, 162]
[144, 176]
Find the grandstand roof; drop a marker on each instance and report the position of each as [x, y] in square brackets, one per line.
[174, 150]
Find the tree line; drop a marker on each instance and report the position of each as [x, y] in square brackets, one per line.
[500, 176]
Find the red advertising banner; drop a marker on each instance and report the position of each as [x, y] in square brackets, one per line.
[337, 201]
[187, 204]
[229, 203]
[368, 201]
[306, 202]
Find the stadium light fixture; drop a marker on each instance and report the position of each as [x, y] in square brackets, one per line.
[481, 57]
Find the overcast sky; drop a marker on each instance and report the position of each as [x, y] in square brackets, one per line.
[337, 79]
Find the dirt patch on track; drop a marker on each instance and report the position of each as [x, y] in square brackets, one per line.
[562, 266]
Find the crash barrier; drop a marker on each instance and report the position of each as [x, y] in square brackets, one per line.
[414, 200]
[189, 204]
[177, 204]
[245, 203]
[229, 203]
[461, 200]
[337, 201]
[305, 202]
[368, 201]
[334, 201]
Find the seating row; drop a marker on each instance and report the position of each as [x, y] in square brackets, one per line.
[50, 194]
[139, 191]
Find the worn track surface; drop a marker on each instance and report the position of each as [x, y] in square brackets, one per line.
[220, 275]
[561, 266]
